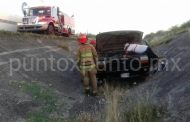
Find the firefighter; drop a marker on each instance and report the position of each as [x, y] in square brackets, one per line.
[93, 42]
[87, 58]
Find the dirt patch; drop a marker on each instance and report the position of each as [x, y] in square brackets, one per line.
[14, 103]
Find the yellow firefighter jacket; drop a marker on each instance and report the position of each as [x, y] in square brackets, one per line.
[87, 57]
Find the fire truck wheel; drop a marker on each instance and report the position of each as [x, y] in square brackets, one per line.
[51, 29]
[69, 31]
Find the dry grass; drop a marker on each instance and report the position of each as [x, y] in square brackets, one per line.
[86, 117]
[142, 107]
[138, 107]
[143, 112]
[121, 106]
[113, 97]
[60, 41]
[33, 36]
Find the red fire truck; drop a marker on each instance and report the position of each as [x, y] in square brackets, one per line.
[47, 19]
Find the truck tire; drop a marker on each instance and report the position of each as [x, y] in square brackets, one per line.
[51, 30]
[69, 33]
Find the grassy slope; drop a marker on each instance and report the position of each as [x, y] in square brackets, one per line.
[163, 37]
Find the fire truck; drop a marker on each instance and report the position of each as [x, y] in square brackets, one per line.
[48, 19]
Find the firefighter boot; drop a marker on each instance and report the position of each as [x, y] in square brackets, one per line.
[87, 92]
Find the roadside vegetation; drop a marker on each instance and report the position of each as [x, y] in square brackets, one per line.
[120, 107]
[46, 98]
[60, 41]
[139, 107]
[18, 35]
[163, 37]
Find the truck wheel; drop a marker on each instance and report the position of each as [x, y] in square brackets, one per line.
[51, 30]
[69, 31]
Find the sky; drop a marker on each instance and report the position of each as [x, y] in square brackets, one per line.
[94, 16]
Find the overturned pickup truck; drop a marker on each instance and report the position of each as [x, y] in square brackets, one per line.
[113, 63]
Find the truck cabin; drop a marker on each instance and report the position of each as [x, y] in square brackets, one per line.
[39, 11]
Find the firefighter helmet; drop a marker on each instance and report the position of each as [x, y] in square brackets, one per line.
[82, 38]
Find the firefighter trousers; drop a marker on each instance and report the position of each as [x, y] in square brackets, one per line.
[89, 78]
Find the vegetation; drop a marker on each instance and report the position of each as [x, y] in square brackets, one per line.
[163, 37]
[142, 109]
[113, 97]
[143, 112]
[28, 36]
[60, 41]
[138, 108]
[45, 97]
[85, 117]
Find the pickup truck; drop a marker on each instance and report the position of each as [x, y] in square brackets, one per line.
[113, 63]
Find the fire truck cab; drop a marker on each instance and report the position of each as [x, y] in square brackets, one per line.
[47, 19]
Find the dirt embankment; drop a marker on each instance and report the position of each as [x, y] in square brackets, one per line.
[29, 58]
[171, 87]
[174, 84]
[18, 53]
